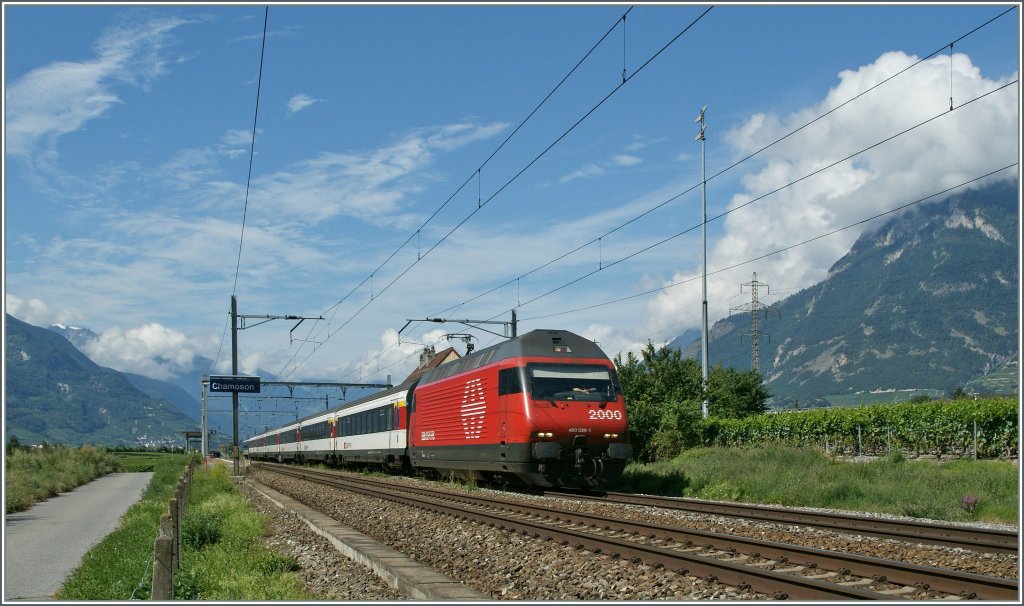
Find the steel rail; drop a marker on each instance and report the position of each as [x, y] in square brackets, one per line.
[976, 539]
[965, 584]
[779, 585]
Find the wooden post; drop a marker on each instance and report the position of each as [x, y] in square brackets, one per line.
[163, 562]
[975, 439]
[173, 533]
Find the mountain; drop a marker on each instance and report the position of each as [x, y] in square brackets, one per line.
[177, 389]
[78, 336]
[163, 390]
[183, 388]
[927, 301]
[54, 393]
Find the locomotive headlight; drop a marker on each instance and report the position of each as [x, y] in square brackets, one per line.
[611, 435]
[543, 434]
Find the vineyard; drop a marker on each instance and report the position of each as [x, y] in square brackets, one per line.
[958, 428]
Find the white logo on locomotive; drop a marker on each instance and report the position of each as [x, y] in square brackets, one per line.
[473, 409]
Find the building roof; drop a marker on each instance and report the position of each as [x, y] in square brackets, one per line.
[428, 363]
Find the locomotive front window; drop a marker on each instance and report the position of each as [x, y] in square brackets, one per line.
[589, 383]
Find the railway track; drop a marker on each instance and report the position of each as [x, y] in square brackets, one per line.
[774, 569]
[948, 535]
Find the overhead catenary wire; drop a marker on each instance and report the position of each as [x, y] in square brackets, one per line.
[753, 200]
[718, 174]
[475, 174]
[248, 181]
[747, 158]
[492, 196]
[734, 266]
[777, 251]
[749, 202]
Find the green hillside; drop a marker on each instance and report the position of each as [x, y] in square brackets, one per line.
[54, 393]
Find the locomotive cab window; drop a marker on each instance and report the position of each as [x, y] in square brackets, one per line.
[509, 381]
[590, 383]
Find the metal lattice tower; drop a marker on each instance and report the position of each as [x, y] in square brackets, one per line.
[754, 307]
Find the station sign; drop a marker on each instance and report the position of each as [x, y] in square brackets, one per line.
[235, 383]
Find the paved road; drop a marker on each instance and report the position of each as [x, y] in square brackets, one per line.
[45, 543]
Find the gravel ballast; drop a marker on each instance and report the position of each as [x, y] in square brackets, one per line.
[507, 566]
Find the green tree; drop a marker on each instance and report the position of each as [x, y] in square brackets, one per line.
[660, 387]
[735, 394]
[12, 444]
[663, 399]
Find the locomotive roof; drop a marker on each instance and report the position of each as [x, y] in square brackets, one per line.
[541, 342]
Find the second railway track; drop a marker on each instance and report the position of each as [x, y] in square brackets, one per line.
[949, 535]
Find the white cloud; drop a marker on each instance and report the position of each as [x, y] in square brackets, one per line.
[37, 313]
[592, 170]
[300, 102]
[59, 98]
[956, 147]
[368, 185]
[151, 349]
[31, 311]
[586, 172]
[625, 160]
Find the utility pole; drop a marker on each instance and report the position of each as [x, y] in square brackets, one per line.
[234, 394]
[234, 365]
[704, 267]
[206, 442]
[754, 307]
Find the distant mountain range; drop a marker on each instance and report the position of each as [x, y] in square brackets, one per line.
[56, 394]
[925, 303]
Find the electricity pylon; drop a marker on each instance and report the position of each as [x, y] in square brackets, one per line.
[755, 308]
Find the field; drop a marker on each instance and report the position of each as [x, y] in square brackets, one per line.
[807, 477]
[882, 397]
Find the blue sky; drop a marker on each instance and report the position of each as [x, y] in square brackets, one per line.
[127, 151]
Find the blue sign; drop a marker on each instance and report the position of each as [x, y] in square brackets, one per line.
[235, 383]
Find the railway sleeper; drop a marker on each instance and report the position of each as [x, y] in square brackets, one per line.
[900, 590]
[826, 575]
[739, 558]
[856, 582]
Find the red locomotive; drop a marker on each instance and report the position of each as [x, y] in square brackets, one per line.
[545, 407]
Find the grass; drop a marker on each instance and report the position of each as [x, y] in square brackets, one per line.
[135, 462]
[120, 567]
[799, 477]
[222, 556]
[36, 474]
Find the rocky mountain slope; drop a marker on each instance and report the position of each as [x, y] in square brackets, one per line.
[928, 300]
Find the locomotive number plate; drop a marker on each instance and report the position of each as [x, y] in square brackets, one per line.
[579, 430]
[427, 435]
[606, 414]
